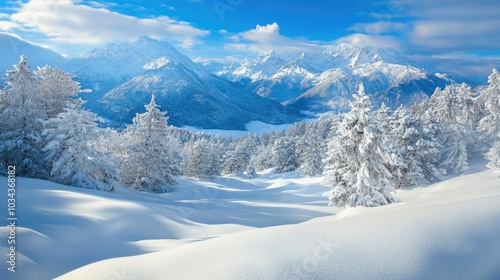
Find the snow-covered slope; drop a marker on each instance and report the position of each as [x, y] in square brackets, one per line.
[104, 68]
[12, 47]
[124, 76]
[324, 80]
[62, 228]
[270, 227]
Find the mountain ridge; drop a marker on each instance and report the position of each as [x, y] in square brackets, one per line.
[125, 75]
[325, 80]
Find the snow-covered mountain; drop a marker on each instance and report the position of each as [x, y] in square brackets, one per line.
[325, 80]
[12, 47]
[124, 76]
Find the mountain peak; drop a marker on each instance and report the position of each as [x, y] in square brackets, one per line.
[144, 38]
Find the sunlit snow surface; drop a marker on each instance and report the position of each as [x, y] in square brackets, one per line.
[269, 227]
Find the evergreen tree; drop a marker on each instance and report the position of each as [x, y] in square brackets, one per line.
[263, 157]
[311, 163]
[454, 108]
[149, 161]
[493, 155]
[22, 121]
[419, 150]
[455, 153]
[357, 160]
[57, 89]
[490, 96]
[238, 158]
[284, 158]
[73, 138]
[201, 160]
[30, 99]
[250, 170]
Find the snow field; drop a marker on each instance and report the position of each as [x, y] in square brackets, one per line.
[275, 226]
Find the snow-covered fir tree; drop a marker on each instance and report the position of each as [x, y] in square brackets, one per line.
[250, 170]
[311, 159]
[490, 97]
[470, 114]
[420, 151]
[56, 89]
[493, 155]
[263, 157]
[284, 158]
[73, 138]
[29, 99]
[454, 152]
[357, 160]
[149, 160]
[454, 109]
[201, 159]
[22, 121]
[396, 165]
[238, 158]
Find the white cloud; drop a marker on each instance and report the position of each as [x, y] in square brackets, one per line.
[468, 66]
[66, 22]
[454, 25]
[380, 27]
[263, 39]
[101, 4]
[457, 34]
[222, 60]
[370, 40]
[8, 25]
[264, 34]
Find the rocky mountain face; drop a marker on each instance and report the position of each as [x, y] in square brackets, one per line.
[326, 80]
[124, 76]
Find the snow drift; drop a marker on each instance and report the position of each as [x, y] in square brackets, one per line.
[269, 227]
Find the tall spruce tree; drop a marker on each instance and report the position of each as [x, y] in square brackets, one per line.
[358, 159]
[73, 138]
[22, 121]
[284, 158]
[148, 161]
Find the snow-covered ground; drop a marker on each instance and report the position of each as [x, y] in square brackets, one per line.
[269, 227]
[253, 127]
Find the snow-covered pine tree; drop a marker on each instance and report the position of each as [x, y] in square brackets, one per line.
[201, 160]
[22, 117]
[263, 157]
[490, 97]
[30, 99]
[396, 166]
[57, 88]
[326, 129]
[493, 155]
[470, 114]
[357, 159]
[250, 170]
[284, 158]
[238, 158]
[447, 108]
[148, 162]
[73, 138]
[311, 159]
[454, 153]
[419, 150]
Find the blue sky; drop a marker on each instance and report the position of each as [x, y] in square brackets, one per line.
[446, 33]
